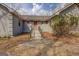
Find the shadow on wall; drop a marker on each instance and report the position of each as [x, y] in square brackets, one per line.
[26, 27]
[20, 26]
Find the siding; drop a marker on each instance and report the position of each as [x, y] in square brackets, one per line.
[17, 25]
[5, 23]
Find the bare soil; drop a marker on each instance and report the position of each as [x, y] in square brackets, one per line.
[54, 46]
[6, 43]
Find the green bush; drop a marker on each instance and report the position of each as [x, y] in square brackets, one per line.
[63, 24]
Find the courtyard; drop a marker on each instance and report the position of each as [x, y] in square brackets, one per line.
[23, 45]
[45, 33]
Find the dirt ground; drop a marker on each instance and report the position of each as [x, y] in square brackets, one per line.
[56, 46]
[6, 43]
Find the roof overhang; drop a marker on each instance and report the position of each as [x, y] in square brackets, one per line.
[35, 18]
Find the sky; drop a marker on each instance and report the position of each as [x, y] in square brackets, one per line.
[43, 9]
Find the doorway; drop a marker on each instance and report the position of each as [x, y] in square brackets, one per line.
[35, 30]
[35, 23]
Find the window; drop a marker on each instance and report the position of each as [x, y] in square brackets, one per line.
[19, 23]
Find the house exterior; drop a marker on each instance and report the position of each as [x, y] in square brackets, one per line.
[36, 24]
[10, 23]
[69, 9]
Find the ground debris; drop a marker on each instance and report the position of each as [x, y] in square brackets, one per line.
[60, 46]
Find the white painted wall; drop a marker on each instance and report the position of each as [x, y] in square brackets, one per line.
[5, 26]
[46, 28]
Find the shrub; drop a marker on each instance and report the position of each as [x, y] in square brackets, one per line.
[63, 24]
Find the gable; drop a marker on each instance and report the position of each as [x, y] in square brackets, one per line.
[3, 10]
[72, 10]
